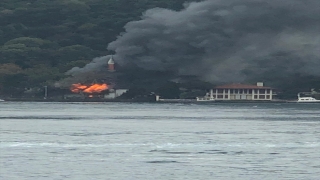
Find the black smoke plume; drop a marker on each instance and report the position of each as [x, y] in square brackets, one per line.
[224, 40]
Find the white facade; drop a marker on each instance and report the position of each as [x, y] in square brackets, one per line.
[243, 92]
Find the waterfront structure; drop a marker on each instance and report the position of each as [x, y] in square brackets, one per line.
[244, 92]
[114, 93]
[111, 65]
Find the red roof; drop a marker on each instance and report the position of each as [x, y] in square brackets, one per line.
[241, 86]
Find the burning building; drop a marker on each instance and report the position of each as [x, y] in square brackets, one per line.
[103, 88]
[89, 89]
[83, 91]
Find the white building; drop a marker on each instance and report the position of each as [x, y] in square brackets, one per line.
[243, 92]
[114, 93]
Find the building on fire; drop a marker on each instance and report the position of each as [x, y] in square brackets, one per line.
[257, 92]
[105, 89]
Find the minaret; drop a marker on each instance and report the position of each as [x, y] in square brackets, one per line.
[111, 64]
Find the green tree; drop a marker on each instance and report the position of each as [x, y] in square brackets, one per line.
[74, 53]
[26, 52]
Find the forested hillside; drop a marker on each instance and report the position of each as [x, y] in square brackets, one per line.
[41, 39]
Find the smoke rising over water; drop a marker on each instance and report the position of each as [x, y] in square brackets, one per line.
[224, 40]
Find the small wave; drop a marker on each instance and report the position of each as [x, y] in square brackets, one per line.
[217, 152]
[221, 152]
[205, 132]
[274, 153]
[162, 161]
[41, 117]
[99, 134]
[172, 152]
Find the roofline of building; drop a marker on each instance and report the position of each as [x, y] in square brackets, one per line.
[243, 88]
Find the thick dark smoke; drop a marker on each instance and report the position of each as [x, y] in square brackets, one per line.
[225, 40]
[97, 69]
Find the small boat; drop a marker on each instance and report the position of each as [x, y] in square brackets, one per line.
[207, 98]
[307, 100]
[1, 100]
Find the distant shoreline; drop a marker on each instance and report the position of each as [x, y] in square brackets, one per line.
[190, 101]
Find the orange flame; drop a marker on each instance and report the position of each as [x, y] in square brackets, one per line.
[94, 88]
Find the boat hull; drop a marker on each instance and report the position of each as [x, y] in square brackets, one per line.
[307, 100]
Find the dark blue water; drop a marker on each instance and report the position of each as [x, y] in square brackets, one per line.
[82, 141]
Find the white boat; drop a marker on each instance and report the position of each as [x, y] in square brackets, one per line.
[207, 98]
[200, 99]
[1, 100]
[307, 100]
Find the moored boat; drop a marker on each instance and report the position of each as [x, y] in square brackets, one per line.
[307, 100]
[207, 98]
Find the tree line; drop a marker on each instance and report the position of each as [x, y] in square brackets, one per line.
[41, 40]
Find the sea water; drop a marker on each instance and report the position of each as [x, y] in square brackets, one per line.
[82, 141]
